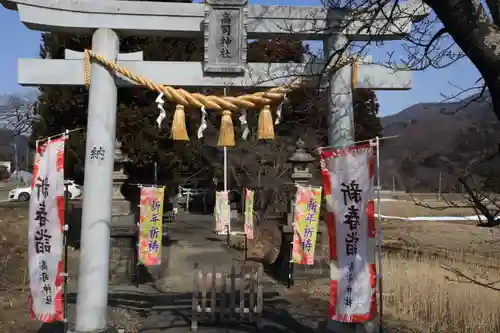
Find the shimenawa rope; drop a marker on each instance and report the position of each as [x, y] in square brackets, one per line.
[223, 104]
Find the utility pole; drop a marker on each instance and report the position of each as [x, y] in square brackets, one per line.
[16, 161]
[225, 185]
[393, 184]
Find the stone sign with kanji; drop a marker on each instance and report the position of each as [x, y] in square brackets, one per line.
[225, 36]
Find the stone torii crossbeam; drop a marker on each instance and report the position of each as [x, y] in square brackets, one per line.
[104, 20]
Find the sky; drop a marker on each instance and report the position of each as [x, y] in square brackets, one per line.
[428, 86]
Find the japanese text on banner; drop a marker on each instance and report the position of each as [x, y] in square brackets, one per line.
[349, 181]
[150, 227]
[307, 208]
[45, 232]
[249, 228]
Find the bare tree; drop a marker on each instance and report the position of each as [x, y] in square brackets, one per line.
[476, 172]
[454, 29]
[18, 114]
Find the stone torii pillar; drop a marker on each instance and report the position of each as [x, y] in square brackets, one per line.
[93, 274]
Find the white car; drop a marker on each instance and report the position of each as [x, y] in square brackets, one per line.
[24, 193]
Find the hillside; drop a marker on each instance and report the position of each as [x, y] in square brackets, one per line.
[430, 132]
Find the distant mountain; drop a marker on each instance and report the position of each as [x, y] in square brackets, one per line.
[430, 132]
[26, 95]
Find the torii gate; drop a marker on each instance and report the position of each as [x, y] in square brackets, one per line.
[106, 19]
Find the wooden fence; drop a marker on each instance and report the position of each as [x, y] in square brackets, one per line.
[227, 297]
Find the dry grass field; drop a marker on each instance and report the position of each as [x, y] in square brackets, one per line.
[420, 290]
[440, 276]
[14, 284]
[437, 276]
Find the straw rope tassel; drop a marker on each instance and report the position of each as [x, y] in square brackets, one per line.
[266, 126]
[179, 131]
[354, 75]
[226, 134]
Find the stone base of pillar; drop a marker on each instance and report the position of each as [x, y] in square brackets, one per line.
[331, 326]
[109, 329]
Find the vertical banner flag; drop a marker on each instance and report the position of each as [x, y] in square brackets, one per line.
[150, 225]
[224, 212]
[217, 210]
[249, 195]
[305, 226]
[348, 182]
[45, 232]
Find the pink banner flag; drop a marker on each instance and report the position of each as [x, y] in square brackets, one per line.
[151, 225]
[348, 183]
[305, 224]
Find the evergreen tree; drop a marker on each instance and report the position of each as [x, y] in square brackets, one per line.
[366, 121]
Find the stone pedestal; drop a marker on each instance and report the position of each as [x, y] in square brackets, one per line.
[119, 178]
[120, 206]
[233, 211]
[281, 266]
[123, 221]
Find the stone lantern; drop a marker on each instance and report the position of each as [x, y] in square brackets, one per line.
[300, 160]
[120, 205]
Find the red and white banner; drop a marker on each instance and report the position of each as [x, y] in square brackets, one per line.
[45, 232]
[348, 182]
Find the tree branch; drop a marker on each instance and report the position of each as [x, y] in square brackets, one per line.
[460, 274]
